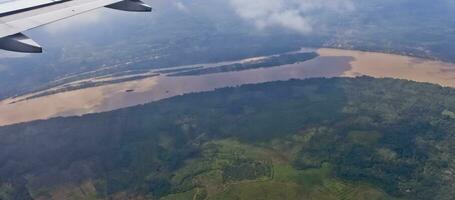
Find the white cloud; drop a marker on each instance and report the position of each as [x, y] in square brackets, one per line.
[292, 14]
[179, 5]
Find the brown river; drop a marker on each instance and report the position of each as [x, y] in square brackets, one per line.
[330, 63]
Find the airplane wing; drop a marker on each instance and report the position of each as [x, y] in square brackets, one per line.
[21, 15]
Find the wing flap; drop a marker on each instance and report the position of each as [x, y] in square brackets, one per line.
[131, 5]
[20, 43]
[63, 9]
[34, 18]
[21, 15]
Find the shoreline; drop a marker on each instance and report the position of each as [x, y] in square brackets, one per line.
[330, 63]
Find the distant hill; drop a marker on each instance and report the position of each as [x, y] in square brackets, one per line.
[337, 138]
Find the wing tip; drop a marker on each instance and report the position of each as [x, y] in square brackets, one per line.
[131, 6]
[20, 43]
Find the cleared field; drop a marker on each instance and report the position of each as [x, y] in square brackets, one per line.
[207, 176]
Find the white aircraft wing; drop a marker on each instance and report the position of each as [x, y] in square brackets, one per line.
[21, 15]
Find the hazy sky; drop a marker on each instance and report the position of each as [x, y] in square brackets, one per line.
[301, 16]
[292, 14]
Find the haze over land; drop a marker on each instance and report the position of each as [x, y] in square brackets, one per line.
[200, 31]
[204, 100]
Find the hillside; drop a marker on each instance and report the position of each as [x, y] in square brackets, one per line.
[337, 138]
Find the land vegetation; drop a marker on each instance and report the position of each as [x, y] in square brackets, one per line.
[272, 61]
[339, 138]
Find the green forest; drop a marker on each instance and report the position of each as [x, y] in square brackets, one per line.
[338, 138]
[272, 61]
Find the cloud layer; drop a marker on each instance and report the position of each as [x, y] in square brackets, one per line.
[296, 15]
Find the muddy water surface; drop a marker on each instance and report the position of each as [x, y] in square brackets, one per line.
[331, 63]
